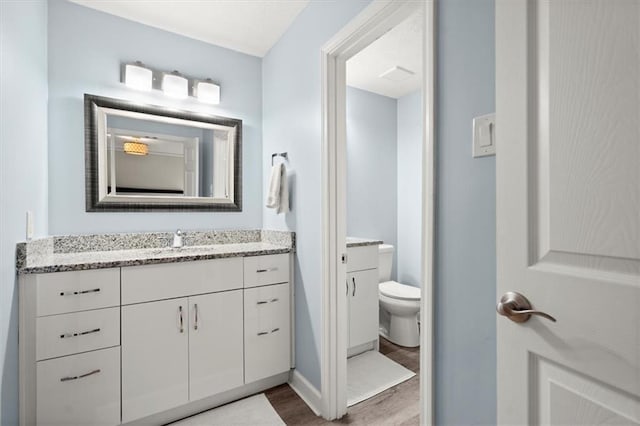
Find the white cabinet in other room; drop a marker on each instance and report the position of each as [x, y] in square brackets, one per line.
[363, 306]
[267, 322]
[155, 357]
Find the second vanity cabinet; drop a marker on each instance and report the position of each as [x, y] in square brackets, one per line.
[362, 295]
[146, 339]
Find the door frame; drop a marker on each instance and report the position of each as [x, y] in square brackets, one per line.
[371, 23]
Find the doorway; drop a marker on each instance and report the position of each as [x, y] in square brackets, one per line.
[375, 21]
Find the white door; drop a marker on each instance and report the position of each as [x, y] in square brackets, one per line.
[155, 345]
[215, 343]
[568, 210]
[363, 306]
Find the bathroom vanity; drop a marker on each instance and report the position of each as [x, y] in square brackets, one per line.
[151, 334]
[362, 294]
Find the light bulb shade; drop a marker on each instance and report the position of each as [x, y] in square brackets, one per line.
[207, 92]
[138, 77]
[136, 148]
[175, 85]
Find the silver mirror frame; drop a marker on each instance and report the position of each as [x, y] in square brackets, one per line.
[92, 106]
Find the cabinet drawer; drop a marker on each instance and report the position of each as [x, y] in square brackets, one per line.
[361, 258]
[264, 270]
[80, 389]
[267, 331]
[64, 292]
[66, 334]
[166, 281]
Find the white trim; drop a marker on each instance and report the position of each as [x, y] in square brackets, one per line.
[306, 391]
[375, 20]
[427, 369]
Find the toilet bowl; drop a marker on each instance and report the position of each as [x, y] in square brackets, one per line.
[399, 304]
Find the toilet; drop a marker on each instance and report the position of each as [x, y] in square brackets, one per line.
[399, 304]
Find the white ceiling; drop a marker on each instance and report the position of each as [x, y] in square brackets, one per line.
[248, 26]
[402, 47]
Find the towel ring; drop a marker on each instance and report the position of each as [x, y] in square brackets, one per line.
[279, 154]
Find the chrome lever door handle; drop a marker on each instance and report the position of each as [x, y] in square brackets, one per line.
[517, 308]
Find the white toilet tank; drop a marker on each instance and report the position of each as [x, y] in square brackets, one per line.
[385, 262]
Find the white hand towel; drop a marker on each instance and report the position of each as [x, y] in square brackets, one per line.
[278, 196]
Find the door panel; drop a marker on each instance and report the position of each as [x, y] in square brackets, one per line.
[215, 343]
[155, 371]
[363, 307]
[568, 210]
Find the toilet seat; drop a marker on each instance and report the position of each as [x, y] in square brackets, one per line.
[396, 290]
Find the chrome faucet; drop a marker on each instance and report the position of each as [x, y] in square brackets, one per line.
[177, 239]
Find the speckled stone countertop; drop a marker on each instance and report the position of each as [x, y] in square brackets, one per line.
[360, 242]
[81, 252]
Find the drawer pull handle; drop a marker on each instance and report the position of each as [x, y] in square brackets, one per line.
[274, 300]
[275, 329]
[75, 293]
[195, 324]
[82, 376]
[82, 333]
[181, 317]
[262, 333]
[267, 270]
[262, 302]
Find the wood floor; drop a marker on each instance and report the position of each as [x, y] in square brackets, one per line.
[399, 405]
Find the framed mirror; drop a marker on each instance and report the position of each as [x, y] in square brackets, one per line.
[148, 158]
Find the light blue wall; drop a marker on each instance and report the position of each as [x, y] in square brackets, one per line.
[465, 345]
[372, 175]
[292, 123]
[23, 166]
[409, 246]
[86, 48]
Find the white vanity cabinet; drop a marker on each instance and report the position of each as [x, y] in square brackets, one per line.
[362, 295]
[70, 348]
[112, 346]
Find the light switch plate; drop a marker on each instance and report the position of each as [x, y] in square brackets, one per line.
[484, 135]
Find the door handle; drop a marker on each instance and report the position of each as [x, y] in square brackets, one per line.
[517, 308]
[354, 286]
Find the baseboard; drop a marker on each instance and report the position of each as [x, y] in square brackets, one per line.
[305, 390]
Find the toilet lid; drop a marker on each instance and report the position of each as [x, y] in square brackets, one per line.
[399, 291]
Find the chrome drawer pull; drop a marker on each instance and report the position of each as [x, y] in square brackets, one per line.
[262, 333]
[82, 376]
[262, 302]
[195, 325]
[274, 300]
[267, 270]
[75, 293]
[275, 329]
[82, 333]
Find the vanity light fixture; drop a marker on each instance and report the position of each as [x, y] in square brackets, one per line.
[138, 77]
[175, 85]
[135, 148]
[206, 91]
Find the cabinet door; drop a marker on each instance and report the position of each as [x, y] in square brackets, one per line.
[155, 357]
[215, 343]
[363, 306]
[267, 314]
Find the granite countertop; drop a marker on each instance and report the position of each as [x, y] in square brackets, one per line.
[76, 253]
[360, 242]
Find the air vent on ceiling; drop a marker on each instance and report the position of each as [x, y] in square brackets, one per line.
[397, 73]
